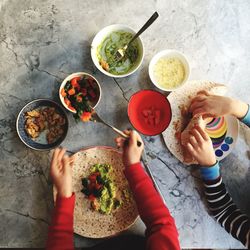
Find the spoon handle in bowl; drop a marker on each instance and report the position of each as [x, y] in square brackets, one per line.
[145, 26]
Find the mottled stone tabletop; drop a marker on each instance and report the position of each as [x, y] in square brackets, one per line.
[41, 42]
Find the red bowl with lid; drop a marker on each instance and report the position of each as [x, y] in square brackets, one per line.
[149, 112]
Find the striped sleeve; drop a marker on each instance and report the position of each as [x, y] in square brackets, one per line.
[223, 208]
[246, 118]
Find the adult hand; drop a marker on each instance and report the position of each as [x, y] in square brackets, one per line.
[61, 172]
[214, 106]
[200, 147]
[131, 151]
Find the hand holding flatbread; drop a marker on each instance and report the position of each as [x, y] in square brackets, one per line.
[209, 105]
[199, 146]
[180, 101]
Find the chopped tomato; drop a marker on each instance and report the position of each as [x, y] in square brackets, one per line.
[157, 116]
[151, 116]
[91, 197]
[92, 178]
[92, 93]
[91, 82]
[86, 116]
[63, 93]
[74, 82]
[79, 98]
[151, 120]
[146, 112]
[68, 103]
[71, 108]
[71, 91]
[84, 91]
[98, 186]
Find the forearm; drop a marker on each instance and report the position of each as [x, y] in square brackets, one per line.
[238, 108]
[246, 118]
[60, 234]
[160, 225]
[222, 206]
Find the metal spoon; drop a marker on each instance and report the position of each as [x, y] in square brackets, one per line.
[121, 52]
[97, 118]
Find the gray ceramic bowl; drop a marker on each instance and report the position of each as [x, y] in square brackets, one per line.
[20, 125]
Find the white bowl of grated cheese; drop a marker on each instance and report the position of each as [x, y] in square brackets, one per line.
[169, 70]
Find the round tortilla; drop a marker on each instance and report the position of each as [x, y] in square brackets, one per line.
[177, 99]
[91, 223]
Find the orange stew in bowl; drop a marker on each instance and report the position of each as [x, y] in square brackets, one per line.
[80, 94]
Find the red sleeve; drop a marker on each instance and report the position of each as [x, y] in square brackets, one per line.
[161, 231]
[61, 229]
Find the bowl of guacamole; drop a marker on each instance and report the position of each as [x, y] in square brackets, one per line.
[105, 45]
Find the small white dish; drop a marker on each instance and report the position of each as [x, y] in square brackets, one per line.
[78, 74]
[168, 54]
[101, 35]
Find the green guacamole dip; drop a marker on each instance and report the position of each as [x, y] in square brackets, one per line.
[109, 46]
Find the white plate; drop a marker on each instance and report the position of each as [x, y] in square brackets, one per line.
[183, 96]
[223, 132]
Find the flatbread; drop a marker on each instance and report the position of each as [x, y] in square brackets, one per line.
[91, 223]
[178, 99]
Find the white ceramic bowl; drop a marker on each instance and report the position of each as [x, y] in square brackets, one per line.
[168, 54]
[101, 35]
[68, 78]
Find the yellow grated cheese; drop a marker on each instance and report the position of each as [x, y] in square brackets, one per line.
[169, 72]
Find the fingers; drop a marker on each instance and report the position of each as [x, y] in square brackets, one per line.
[193, 142]
[127, 131]
[203, 92]
[200, 111]
[54, 161]
[61, 154]
[66, 164]
[72, 160]
[54, 157]
[190, 148]
[197, 135]
[119, 141]
[202, 133]
[135, 138]
[198, 98]
[195, 105]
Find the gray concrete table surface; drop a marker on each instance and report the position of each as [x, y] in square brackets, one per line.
[41, 42]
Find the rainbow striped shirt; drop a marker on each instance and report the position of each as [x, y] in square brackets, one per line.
[221, 204]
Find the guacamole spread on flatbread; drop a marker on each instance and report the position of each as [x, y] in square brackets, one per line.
[100, 189]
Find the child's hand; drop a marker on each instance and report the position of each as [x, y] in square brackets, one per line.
[215, 106]
[131, 152]
[61, 172]
[200, 147]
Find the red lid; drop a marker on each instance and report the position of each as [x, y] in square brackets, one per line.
[149, 112]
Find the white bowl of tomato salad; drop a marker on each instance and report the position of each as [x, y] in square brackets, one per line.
[80, 94]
